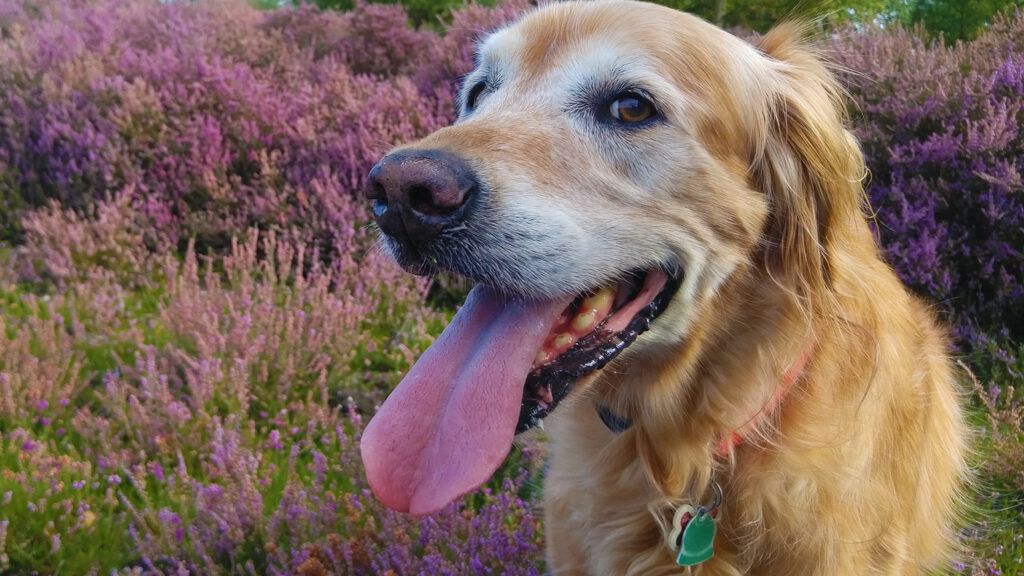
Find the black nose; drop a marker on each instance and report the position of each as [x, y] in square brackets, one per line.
[418, 193]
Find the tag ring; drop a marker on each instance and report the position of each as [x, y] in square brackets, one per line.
[716, 503]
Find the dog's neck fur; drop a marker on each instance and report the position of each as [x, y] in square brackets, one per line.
[729, 376]
[619, 424]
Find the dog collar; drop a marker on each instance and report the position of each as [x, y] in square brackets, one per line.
[691, 537]
[614, 422]
[619, 424]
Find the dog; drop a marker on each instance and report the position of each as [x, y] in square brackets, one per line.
[667, 230]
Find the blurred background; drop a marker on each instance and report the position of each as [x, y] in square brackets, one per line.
[194, 321]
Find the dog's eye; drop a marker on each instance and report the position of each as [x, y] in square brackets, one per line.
[474, 94]
[630, 108]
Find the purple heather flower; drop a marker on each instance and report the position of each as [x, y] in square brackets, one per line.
[274, 440]
[157, 471]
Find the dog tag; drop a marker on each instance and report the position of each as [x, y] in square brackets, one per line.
[698, 541]
[684, 513]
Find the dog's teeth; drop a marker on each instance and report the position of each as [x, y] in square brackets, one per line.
[542, 356]
[584, 321]
[563, 340]
[600, 300]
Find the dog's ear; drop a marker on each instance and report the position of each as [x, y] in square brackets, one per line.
[806, 162]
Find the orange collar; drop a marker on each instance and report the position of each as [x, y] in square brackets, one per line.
[619, 424]
[732, 440]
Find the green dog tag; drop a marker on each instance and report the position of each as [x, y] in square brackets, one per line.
[698, 542]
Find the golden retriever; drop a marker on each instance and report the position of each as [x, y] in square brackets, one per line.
[667, 229]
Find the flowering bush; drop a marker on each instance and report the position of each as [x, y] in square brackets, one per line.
[199, 410]
[941, 128]
[200, 423]
[212, 117]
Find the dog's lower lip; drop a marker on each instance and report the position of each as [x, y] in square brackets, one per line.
[549, 383]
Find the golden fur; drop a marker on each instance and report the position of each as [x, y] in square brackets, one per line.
[754, 186]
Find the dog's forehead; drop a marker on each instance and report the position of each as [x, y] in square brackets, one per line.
[603, 39]
[567, 36]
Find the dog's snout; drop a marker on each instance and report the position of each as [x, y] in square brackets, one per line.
[416, 194]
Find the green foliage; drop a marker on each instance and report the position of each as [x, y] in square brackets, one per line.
[956, 19]
[429, 12]
[760, 15]
[61, 519]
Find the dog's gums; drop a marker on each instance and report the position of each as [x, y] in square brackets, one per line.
[589, 334]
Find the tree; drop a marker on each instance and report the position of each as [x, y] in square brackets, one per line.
[760, 15]
[957, 19]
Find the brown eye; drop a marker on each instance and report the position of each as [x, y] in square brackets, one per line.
[630, 108]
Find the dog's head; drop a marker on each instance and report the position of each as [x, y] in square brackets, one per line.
[613, 164]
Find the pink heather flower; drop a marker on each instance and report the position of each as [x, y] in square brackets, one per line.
[178, 412]
[274, 440]
[320, 467]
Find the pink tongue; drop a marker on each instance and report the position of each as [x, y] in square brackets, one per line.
[449, 424]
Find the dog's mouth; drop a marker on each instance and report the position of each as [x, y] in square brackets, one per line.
[590, 332]
[501, 365]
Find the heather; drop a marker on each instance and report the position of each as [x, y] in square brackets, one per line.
[208, 420]
[941, 128]
[213, 118]
[195, 322]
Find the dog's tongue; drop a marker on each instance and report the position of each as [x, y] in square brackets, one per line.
[450, 422]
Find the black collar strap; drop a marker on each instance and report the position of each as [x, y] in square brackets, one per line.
[617, 424]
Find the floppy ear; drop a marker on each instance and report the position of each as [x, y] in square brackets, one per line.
[806, 162]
